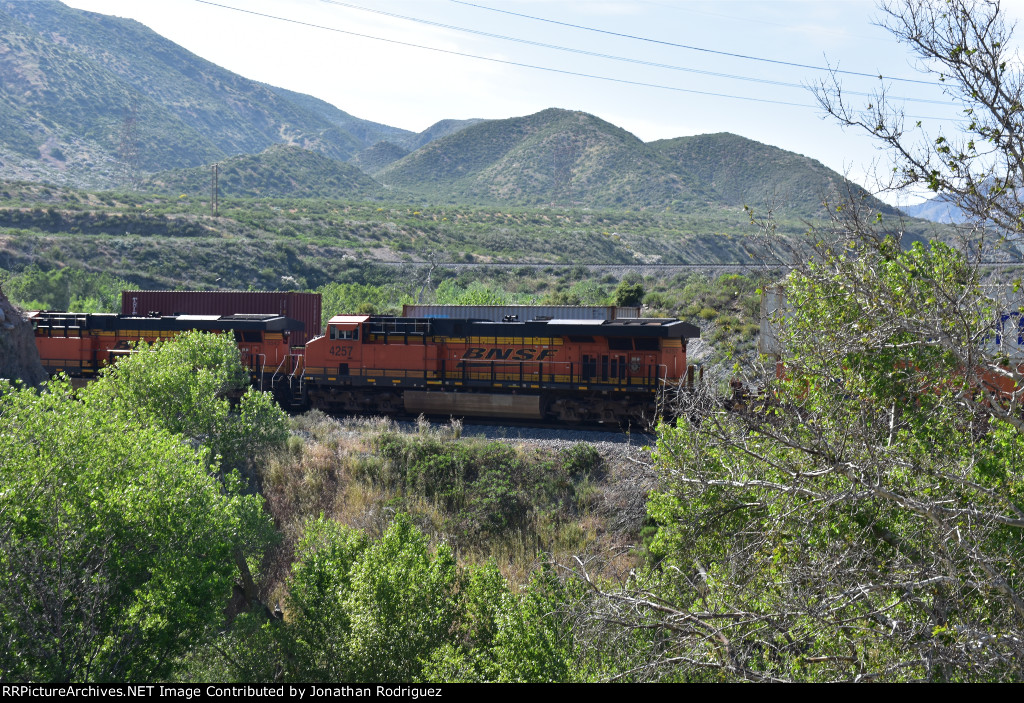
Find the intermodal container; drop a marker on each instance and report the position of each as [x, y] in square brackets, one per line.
[300, 306]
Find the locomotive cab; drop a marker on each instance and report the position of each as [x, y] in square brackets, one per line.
[344, 343]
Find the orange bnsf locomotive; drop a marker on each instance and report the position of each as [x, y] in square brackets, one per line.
[569, 370]
[81, 344]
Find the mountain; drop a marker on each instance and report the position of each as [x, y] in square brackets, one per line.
[569, 158]
[282, 171]
[938, 209]
[552, 157]
[379, 156]
[94, 91]
[93, 101]
[435, 131]
[737, 171]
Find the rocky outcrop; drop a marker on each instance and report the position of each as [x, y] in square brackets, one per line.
[19, 358]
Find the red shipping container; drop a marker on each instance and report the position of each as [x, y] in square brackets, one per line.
[300, 306]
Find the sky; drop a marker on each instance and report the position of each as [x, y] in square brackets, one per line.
[657, 68]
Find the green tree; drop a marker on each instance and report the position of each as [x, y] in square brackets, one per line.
[115, 541]
[402, 604]
[120, 531]
[194, 385]
[450, 292]
[319, 623]
[65, 289]
[357, 611]
[396, 610]
[629, 292]
[864, 520]
[509, 637]
[359, 298]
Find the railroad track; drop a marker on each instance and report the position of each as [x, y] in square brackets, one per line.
[628, 268]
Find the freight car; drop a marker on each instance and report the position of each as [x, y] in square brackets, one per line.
[293, 304]
[568, 370]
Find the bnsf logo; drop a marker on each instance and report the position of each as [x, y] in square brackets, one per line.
[515, 354]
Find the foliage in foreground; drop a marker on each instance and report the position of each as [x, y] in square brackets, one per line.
[195, 386]
[120, 535]
[865, 522]
[394, 610]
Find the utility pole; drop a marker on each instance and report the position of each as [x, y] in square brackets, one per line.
[213, 201]
[128, 148]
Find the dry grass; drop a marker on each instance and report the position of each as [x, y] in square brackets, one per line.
[331, 467]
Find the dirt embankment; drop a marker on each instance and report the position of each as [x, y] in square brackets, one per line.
[19, 358]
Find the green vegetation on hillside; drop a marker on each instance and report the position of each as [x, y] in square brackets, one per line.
[101, 101]
[740, 171]
[279, 172]
[172, 241]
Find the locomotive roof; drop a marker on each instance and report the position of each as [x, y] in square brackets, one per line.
[110, 321]
[623, 327]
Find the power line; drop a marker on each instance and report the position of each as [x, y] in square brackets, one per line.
[504, 61]
[516, 63]
[585, 52]
[693, 48]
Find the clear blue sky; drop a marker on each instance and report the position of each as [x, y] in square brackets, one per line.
[386, 75]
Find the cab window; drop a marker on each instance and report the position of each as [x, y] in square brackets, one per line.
[339, 333]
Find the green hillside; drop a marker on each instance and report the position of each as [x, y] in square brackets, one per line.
[279, 172]
[99, 102]
[552, 157]
[93, 100]
[64, 111]
[571, 159]
[739, 171]
[434, 131]
[379, 156]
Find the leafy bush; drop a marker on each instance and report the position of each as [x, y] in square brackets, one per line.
[117, 544]
[485, 488]
[395, 610]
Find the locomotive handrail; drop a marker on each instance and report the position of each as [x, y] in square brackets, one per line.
[263, 368]
[277, 371]
[523, 371]
[295, 367]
